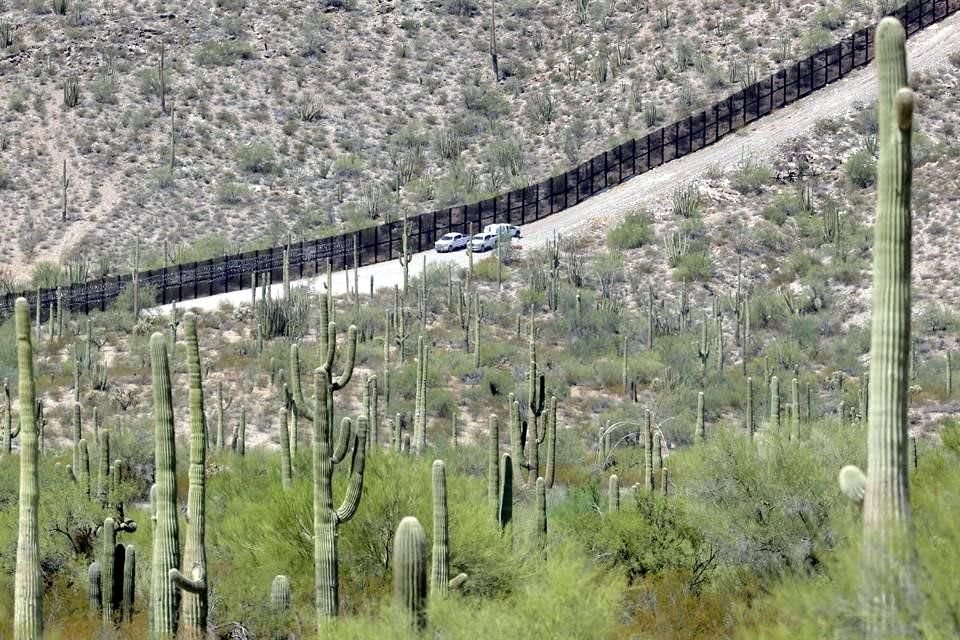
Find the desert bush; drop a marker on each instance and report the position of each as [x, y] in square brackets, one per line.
[770, 505]
[751, 176]
[861, 169]
[633, 232]
[222, 53]
[256, 158]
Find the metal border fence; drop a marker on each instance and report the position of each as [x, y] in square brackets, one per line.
[382, 243]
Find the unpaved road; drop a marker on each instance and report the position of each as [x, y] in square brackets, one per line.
[925, 50]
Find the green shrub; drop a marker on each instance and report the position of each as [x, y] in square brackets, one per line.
[770, 505]
[256, 158]
[751, 176]
[861, 169]
[694, 266]
[633, 232]
[213, 53]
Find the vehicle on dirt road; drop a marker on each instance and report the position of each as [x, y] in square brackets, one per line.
[483, 242]
[451, 242]
[497, 227]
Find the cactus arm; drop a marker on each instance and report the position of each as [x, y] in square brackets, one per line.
[551, 443]
[541, 511]
[330, 352]
[853, 483]
[342, 446]
[294, 391]
[456, 583]
[195, 585]
[537, 407]
[505, 506]
[28, 588]
[355, 487]
[516, 435]
[344, 378]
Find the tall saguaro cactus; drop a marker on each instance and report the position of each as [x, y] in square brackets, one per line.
[774, 404]
[888, 554]
[193, 580]
[28, 587]
[536, 397]
[420, 402]
[326, 519]
[164, 595]
[440, 555]
[493, 466]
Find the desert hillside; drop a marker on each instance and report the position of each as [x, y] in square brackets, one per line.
[297, 121]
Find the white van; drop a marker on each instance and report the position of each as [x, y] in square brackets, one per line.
[496, 228]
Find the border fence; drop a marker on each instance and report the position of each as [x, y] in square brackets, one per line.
[179, 282]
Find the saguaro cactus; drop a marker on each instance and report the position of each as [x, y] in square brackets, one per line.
[551, 443]
[701, 423]
[420, 408]
[103, 467]
[613, 494]
[493, 466]
[541, 509]
[535, 405]
[8, 432]
[94, 590]
[648, 472]
[410, 571]
[28, 584]
[240, 442]
[77, 432]
[195, 587]
[164, 595]
[888, 554]
[286, 470]
[751, 422]
[440, 555]
[82, 470]
[108, 600]
[129, 581]
[326, 519]
[280, 599]
[505, 503]
[774, 404]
